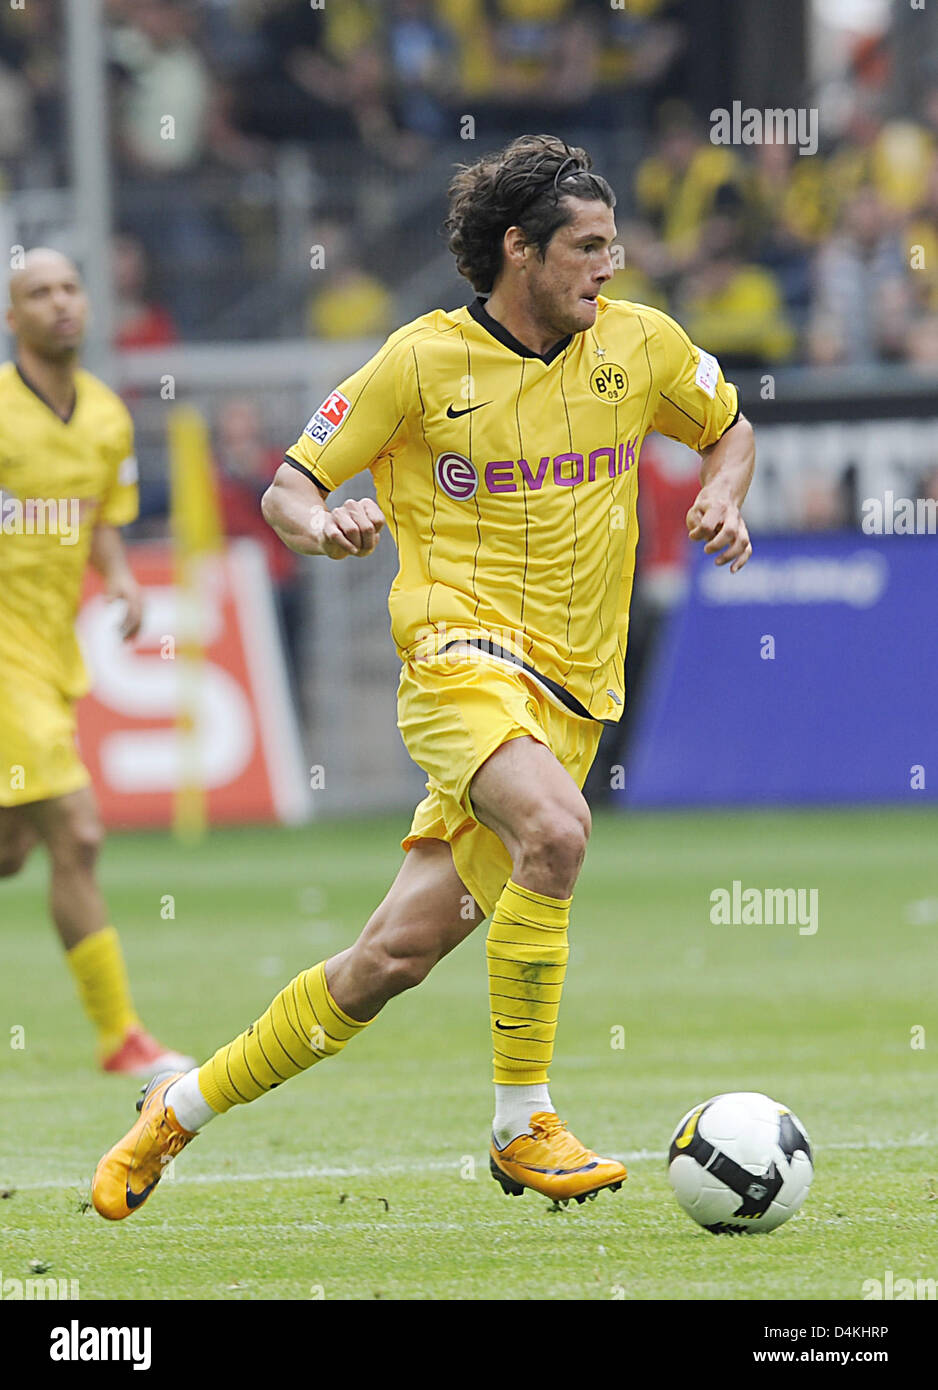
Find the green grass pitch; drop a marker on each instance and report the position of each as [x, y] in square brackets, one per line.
[367, 1177]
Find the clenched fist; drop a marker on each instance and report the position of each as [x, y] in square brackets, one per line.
[716, 519]
[351, 529]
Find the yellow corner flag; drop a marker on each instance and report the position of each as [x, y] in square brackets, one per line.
[196, 518]
[196, 525]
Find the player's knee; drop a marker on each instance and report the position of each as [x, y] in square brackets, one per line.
[392, 957]
[554, 843]
[12, 859]
[79, 845]
[405, 972]
[396, 969]
[15, 848]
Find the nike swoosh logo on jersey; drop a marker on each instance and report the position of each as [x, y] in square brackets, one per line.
[508, 1027]
[455, 414]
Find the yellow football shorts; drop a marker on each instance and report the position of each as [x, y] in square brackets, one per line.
[38, 750]
[453, 711]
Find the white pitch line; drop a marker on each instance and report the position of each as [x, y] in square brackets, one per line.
[390, 1170]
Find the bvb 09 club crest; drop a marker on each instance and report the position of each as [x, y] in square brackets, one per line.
[609, 382]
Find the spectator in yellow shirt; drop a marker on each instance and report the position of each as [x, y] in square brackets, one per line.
[735, 306]
[677, 188]
[351, 303]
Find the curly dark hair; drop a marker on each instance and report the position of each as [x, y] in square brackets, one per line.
[524, 185]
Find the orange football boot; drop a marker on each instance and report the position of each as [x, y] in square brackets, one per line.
[552, 1161]
[128, 1173]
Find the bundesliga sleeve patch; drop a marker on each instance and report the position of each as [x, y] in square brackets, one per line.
[708, 370]
[127, 471]
[323, 424]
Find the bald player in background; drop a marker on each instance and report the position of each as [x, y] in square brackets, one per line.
[67, 483]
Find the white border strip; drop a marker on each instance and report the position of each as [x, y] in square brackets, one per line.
[390, 1170]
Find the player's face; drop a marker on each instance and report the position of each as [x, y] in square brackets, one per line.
[50, 310]
[563, 287]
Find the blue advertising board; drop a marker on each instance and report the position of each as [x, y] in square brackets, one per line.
[811, 676]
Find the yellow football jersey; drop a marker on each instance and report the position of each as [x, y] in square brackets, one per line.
[58, 480]
[509, 480]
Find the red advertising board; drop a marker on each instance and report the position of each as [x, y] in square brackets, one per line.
[244, 748]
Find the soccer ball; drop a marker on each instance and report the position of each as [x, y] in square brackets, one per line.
[740, 1163]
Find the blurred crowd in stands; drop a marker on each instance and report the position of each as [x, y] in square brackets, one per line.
[767, 256]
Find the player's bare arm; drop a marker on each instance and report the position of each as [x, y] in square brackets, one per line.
[109, 558]
[725, 474]
[296, 509]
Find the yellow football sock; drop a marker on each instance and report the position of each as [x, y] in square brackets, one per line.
[527, 956]
[97, 963]
[302, 1025]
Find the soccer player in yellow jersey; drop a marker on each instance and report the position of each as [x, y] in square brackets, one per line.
[504, 441]
[67, 483]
